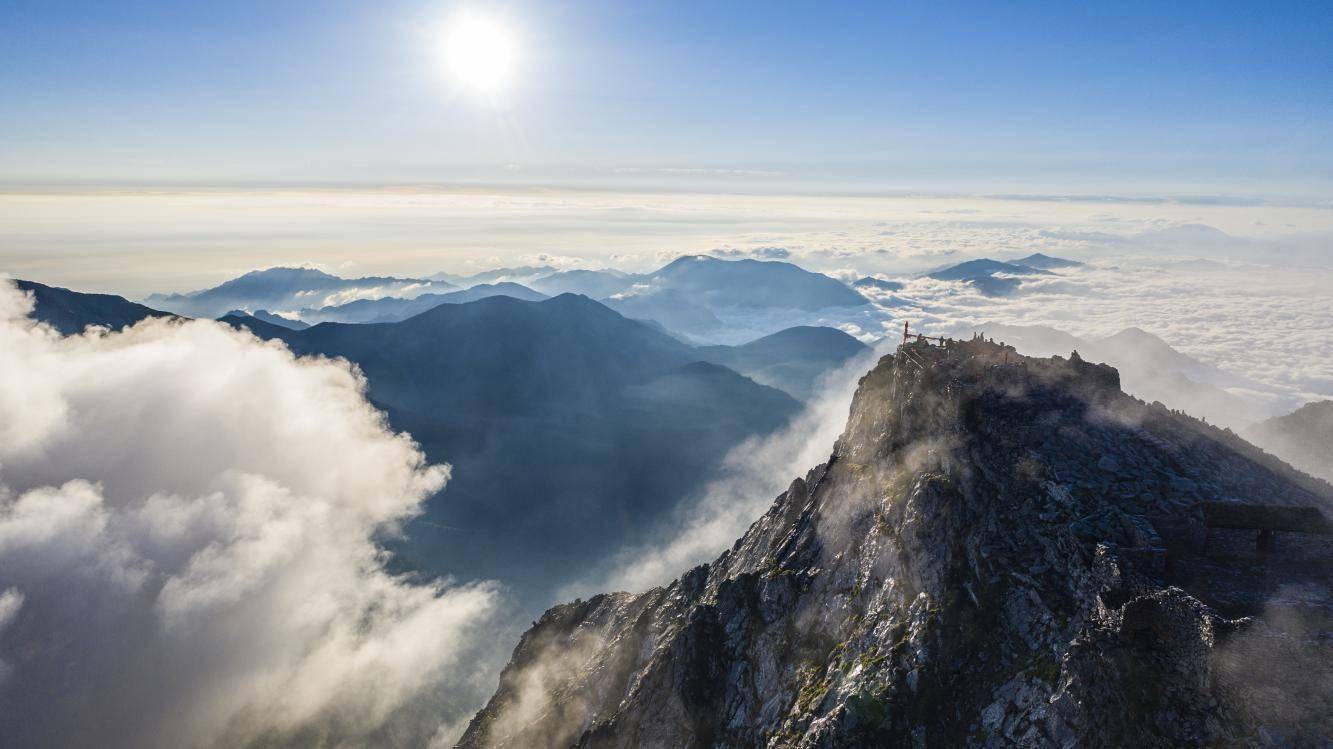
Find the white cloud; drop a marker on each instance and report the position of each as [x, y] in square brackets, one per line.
[187, 556]
[400, 289]
[562, 262]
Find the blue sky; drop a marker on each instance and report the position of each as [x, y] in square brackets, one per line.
[1130, 98]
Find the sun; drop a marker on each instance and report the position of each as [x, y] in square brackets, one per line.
[479, 53]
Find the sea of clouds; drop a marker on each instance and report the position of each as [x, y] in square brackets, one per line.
[188, 557]
[188, 517]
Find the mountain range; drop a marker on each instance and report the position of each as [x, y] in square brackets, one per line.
[999, 551]
[569, 427]
[694, 295]
[689, 296]
[396, 309]
[287, 289]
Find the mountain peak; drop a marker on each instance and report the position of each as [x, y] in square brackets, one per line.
[290, 271]
[1046, 262]
[999, 546]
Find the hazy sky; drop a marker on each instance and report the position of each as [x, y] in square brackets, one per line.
[137, 242]
[1132, 97]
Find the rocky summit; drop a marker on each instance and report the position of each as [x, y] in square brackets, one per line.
[1000, 551]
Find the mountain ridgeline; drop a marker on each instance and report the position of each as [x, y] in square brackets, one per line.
[397, 309]
[70, 312]
[287, 289]
[689, 296]
[572, 431]
[1000, 551]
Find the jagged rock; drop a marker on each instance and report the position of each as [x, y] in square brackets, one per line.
[1001, 551]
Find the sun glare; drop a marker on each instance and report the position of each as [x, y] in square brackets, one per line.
[479, 53]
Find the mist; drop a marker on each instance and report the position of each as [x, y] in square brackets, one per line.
[188, 556]
[751, 475]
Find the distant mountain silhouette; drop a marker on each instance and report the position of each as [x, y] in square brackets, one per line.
[1150, 368]
[1046, 262]
[991, 277]
[754, 283]
[269, 317]
[1147, 351]
[1303, 438]
[502, 288]
[287, 289]
[571, 429]
[690, 294]
[878, 284]
[1196, 236]
[671, 308]
[70, 311]
[395, 309]
[792, 360]
[523, 274]
[597, 284]
[686, 296]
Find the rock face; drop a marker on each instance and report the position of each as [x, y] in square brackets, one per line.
[1001, 551]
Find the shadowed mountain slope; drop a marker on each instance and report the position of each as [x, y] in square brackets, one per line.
[264, 315]
[71, 311]
[791, 360]
[396, 309]
[571, 429]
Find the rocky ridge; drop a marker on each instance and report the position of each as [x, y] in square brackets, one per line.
[1001, 551]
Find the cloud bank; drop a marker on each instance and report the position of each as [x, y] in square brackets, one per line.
[187, 548]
